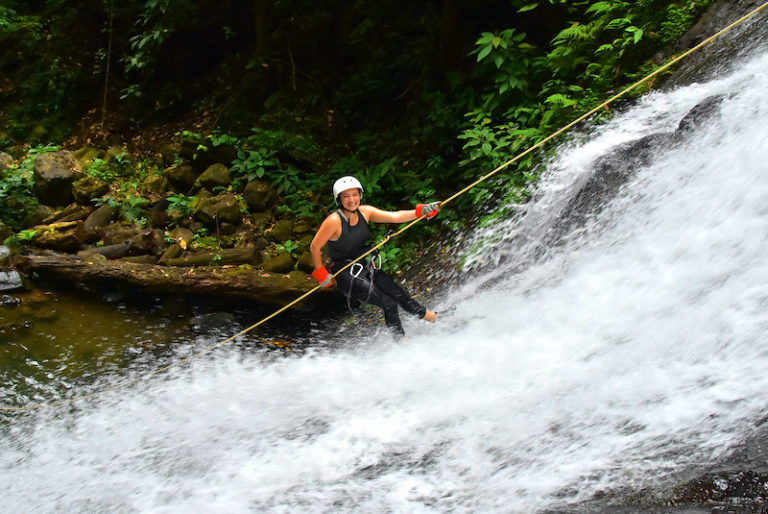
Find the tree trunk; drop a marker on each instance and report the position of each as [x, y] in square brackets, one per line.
[261, 15]
[448, 44]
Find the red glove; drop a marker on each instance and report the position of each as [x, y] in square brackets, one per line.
[428, 209]
[321, 275]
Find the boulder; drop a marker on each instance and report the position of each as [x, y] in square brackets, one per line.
[181, 178]
[119, 232]
[87, 188]
[259, 196]
[39, 213]
[148, 242]
[5, 255]
[258, 222]
[117, 155]
[305, 241]
[156, 184]
[182, 236]
[158, 213]
[305, 263]
[5, 161]
[280, 232]
[281, 263]
[214, 323]
[700, 114]
[7, 300]
[220, 208]
[169, 153]
[171, 252]
[66, 236]
[53, 176]
[10, 280]
[85, 156]
[216, 175]
[304, 226]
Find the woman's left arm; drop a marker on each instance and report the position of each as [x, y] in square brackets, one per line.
[375, 215]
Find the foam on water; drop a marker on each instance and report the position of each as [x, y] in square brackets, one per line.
[636, 350]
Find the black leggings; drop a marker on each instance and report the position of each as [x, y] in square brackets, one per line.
[385, 294]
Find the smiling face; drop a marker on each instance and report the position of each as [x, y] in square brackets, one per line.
[350, 199]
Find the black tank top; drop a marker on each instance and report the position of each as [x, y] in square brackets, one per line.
[351, 242]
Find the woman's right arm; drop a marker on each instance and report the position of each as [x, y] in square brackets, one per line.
[329, 229]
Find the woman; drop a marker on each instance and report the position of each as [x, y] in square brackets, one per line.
[345, 232]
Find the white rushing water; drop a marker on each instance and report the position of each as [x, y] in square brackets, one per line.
[635, 351]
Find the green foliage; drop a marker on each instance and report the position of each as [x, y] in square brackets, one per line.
[48, 98]
[253, 164]
[180, 206]
[289, 246]
[513, 58]
[204, 239]
[17, 197]
[131, 204]
[20, 240]
[572, 76]
[158, 21]
[101, 170]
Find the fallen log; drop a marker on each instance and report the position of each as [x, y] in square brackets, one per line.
[225, 282]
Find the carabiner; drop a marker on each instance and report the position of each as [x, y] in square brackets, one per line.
[354, 273]
[376, 261]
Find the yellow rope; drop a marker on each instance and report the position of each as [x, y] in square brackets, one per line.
[403, 229]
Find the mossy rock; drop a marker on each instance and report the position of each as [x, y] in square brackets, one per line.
[259, 196]
[281, 263]
[88, 188]
[216, 175]
[280, 232]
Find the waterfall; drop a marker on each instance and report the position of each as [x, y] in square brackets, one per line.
[628, 355]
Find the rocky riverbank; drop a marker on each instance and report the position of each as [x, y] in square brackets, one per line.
[182, 227]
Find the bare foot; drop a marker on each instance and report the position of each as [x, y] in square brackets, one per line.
[430, 316]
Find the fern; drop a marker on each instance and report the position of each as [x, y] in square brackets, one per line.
[575, 32]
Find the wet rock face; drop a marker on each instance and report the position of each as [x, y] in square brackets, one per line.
[213, 324]
[742, 487]
[612, 171]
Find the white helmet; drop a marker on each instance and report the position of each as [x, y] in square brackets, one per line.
[343, 184]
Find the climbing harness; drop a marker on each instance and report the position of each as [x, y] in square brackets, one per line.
[388, 237]
[356, 269]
